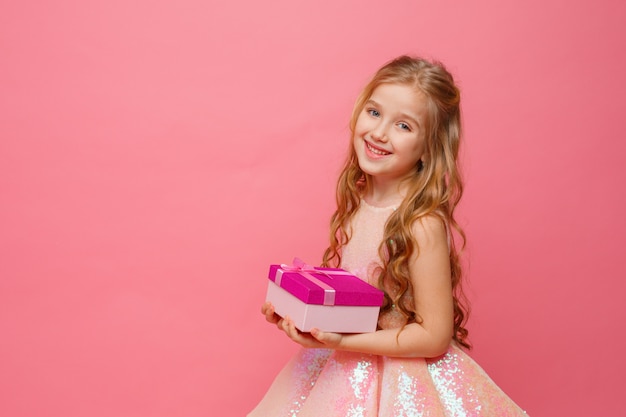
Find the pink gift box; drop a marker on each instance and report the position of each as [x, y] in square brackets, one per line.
[329, 299]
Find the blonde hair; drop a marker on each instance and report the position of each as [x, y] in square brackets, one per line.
[434, 190]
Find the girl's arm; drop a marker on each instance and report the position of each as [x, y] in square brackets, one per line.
[430, 276]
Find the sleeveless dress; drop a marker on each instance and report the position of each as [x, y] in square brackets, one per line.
[329, 383]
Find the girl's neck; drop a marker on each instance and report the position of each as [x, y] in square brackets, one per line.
[387, 191]
[384, 196]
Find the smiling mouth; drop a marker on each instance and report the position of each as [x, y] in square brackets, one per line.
[376, 151]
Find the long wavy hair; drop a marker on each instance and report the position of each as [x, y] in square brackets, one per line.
[434, 190]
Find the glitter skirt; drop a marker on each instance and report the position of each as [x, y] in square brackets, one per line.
[328, 383]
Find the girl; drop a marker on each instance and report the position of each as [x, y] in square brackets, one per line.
[393, 226]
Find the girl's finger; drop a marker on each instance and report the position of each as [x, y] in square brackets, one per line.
[318, 334]
[291, 330]
[267, 306]
[285, 325]
[328, 339]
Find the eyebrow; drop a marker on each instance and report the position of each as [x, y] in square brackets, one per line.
[403, 115]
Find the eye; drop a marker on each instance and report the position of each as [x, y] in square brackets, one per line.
[404, 126]
[373, 112]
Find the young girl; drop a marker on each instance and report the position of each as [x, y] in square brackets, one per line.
[394, 228]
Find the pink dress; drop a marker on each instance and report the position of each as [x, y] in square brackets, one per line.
[329, 383]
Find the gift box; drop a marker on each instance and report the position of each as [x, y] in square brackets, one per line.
[330, 299]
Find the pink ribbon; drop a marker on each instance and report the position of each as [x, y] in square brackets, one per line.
[305, 270]
[298, 265]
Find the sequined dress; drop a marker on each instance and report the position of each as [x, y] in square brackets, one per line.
[329, 383]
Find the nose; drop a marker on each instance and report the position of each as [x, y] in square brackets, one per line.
[379, 132]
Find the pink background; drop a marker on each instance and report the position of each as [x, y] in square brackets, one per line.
[156, 156]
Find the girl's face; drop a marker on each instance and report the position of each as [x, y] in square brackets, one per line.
[388, 136]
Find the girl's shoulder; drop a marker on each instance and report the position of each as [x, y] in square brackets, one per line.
[430, 229]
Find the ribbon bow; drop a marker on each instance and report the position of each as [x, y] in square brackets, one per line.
[305, 270]
[299, 265]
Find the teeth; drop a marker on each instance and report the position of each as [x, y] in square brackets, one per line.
[376, 151]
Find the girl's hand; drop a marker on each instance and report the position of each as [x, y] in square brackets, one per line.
[315, 339]
[270, 315]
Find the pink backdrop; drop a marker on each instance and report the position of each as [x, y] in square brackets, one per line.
[156, 156]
